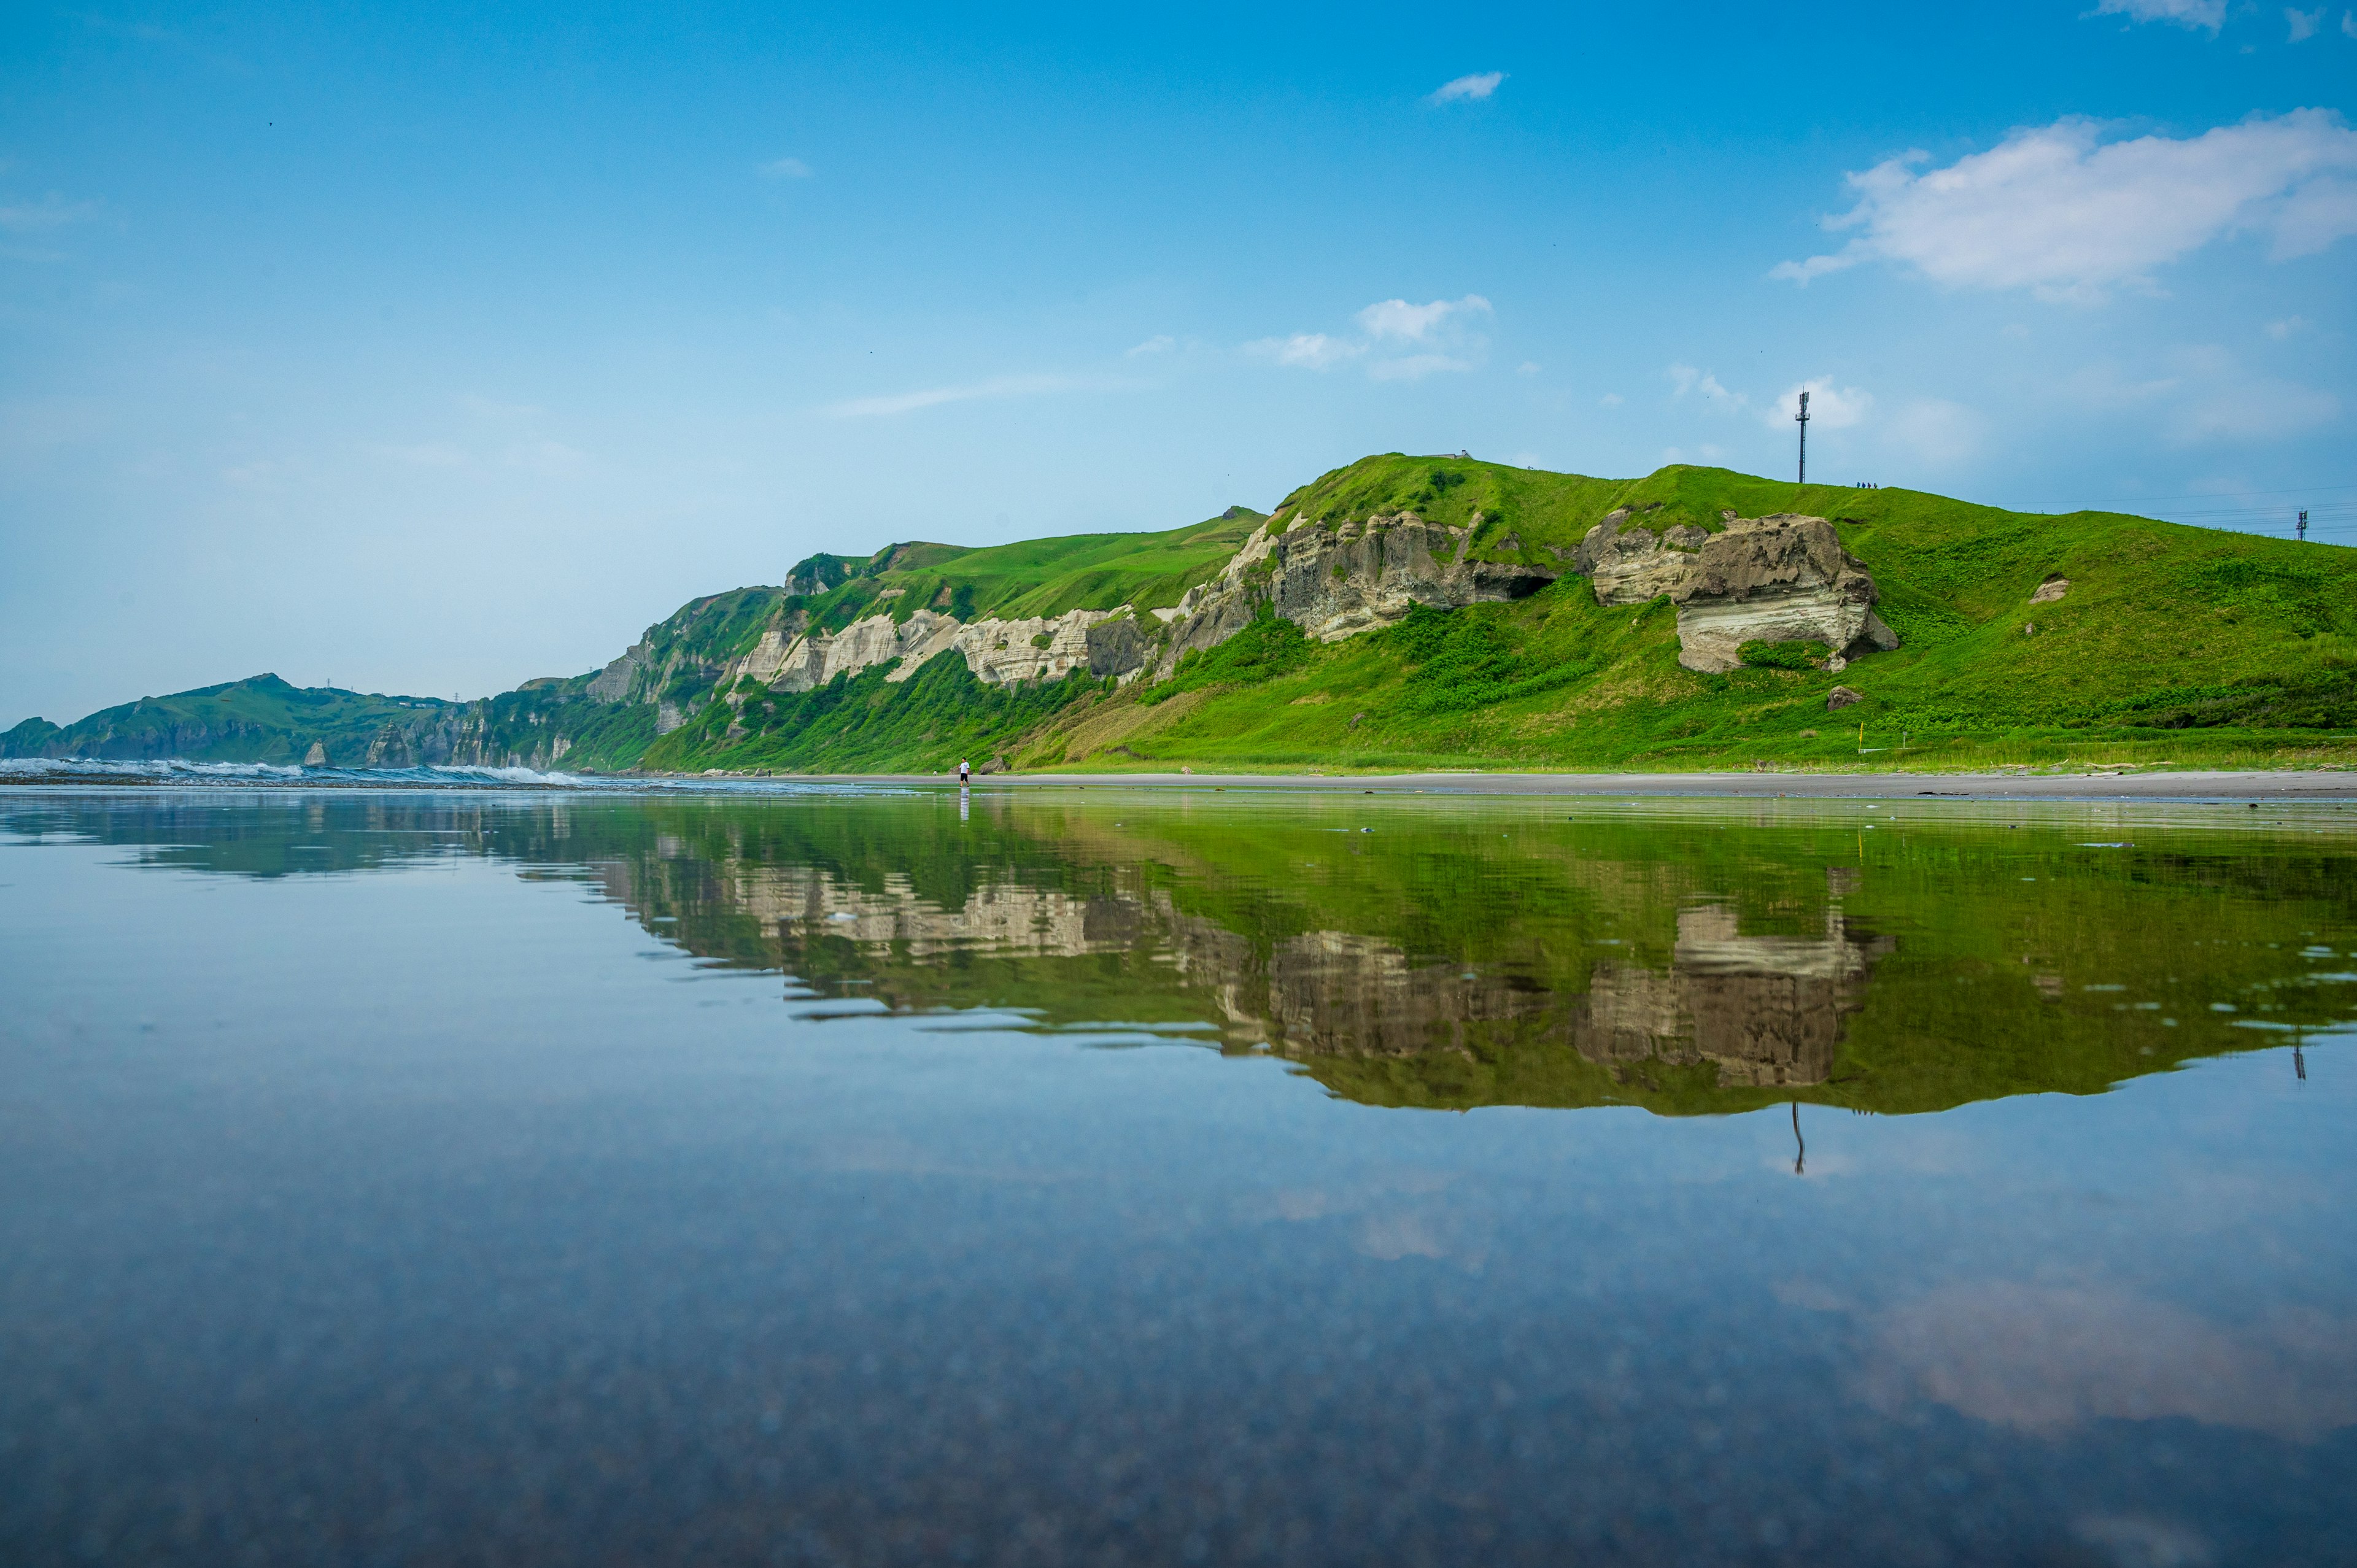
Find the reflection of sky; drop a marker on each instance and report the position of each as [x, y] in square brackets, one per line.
[406, 1189]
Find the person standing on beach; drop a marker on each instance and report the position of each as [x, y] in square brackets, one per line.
[965, 774]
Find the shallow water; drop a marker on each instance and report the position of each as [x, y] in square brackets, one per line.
[497, 1175]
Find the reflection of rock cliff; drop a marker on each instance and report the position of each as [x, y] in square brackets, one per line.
[1765, 1010]
[1760, 1010]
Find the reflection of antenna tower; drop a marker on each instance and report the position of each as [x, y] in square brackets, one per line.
[1803, 417]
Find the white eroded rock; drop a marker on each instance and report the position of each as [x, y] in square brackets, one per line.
[1337, 580]
[1780, 578]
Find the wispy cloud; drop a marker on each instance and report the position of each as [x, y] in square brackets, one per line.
[1685, 379]
[1417, 323]
[1161, 343]
[2058, 211]
[787, 169]
[2209, 14]
[2303, 24]
[1307, 350]
[51, 211]
[1935, 433]
[996, 386]
[1439, 330]
[1469, 89]
[1830, 407]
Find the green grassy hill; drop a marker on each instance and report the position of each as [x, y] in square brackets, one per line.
[2173, 645]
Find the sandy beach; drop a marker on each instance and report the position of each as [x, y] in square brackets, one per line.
[2308, 785]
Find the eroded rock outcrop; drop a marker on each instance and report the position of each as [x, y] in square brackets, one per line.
[1780, 578]
[1103, 643]
[1337, 579]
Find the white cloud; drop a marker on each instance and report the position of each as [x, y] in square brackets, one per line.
[1416, 323]
[787, 169]
[2280, 330]
[1611, 400]
[2208, 14]
[1830, 407]
[997, 387]
[1527, 367]
[2303, 24]
[1309, 350]
[2059, 211]
[1438, 329]
[1935, 433]
[2349, 23]
[1161, 342]
[1469, 88]
[1685, 379]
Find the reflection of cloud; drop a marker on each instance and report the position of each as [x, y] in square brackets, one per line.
[1408, 1234]
[2044, 1358]
[1400, 1214]
[2133, 1542]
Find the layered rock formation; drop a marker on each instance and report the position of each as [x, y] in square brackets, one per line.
[1780, 578]
[1103, 643]
[1337, 579]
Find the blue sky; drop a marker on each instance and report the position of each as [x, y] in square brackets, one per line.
[429, 349]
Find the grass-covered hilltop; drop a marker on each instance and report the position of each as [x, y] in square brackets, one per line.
[1423, 612]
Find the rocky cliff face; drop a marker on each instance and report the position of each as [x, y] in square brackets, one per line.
[1337, 579]
[1103, 643]
[1780, 578]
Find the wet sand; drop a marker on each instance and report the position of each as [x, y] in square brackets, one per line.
[2308, 785]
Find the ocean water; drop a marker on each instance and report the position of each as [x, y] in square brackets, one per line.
[527, 1174]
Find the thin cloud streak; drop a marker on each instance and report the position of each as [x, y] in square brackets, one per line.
[996, 386]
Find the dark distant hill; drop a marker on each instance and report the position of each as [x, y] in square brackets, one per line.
[1423, 612]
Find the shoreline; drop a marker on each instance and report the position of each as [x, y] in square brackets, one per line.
[2315, 786]
[2323, 785]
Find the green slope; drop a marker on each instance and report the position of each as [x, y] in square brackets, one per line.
[2174, 644]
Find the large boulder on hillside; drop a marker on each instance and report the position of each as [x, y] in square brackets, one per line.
[1780, 578]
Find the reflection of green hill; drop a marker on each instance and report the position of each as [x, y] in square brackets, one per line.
[1687, 960]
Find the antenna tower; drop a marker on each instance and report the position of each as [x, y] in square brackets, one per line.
[1803, 417]
[2303, 522]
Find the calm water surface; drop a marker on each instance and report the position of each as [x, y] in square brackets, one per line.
[1097, 1177]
